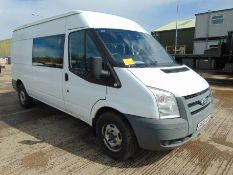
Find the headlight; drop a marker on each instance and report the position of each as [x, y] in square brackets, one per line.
[167, 104]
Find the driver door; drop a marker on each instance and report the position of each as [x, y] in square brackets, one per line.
[81, 91]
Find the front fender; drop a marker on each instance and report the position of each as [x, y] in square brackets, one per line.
[104, 104]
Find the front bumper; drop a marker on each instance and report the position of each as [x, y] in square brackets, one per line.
[165, 134]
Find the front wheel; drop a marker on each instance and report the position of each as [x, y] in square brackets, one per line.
[116, 137]
[24, 99]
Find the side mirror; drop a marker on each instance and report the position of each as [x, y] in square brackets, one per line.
[96, 68]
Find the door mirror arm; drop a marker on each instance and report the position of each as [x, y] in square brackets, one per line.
[105, 73]
[97, 69]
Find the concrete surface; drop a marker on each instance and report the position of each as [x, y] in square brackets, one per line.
[218, 76]
[43, 140]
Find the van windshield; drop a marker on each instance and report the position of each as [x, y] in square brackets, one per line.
[134, 49]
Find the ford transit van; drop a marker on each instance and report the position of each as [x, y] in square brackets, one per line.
[111, 73]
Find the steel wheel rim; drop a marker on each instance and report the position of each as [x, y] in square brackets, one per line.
[112, 137]
[22, 97]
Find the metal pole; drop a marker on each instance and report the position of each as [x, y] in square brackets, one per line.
[176, 40]
[208, 30]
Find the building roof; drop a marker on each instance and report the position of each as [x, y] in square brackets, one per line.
[214, 11]
[182, 24]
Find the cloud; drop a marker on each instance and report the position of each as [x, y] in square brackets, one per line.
[14, 13]
[149, 13]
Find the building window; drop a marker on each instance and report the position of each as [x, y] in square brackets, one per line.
[218, 19]
[48, 51]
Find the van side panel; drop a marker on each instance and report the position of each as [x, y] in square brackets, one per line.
[45, 29]
[21, 61]
[43, 83]
[47, 85]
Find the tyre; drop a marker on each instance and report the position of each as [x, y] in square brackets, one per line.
[115, 136]
[24, 99]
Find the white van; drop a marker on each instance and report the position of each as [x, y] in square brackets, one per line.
[112, 74]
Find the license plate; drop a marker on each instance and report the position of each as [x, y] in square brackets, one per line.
[203, 123]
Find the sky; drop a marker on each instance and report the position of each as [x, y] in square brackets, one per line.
[151, 14]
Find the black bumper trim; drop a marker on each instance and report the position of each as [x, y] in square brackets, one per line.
[151, 132]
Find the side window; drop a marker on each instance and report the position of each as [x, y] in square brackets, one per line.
[77, 52]
[81, 50]
[48, 51]
[91, 51]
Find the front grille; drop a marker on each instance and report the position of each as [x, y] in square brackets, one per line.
[197, 94]
[199, 110]
[199, 101]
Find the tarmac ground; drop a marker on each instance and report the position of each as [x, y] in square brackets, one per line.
[43, 140]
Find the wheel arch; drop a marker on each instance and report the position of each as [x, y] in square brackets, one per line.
[18, 83]
[108, 109]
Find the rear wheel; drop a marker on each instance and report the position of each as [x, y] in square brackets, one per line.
[116, 137]
[24, 99]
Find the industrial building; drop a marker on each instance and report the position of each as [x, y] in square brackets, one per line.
[5, 48]
[166, 35]
[212, 29]
[205, 43]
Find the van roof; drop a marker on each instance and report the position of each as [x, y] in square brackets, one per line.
[48, 19]
[95, 20]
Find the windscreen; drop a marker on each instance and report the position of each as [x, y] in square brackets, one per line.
[134, 49]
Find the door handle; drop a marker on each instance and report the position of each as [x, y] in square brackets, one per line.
[66, 77]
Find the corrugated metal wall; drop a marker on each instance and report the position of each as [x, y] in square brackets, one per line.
[5, 48]
[185, 37]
